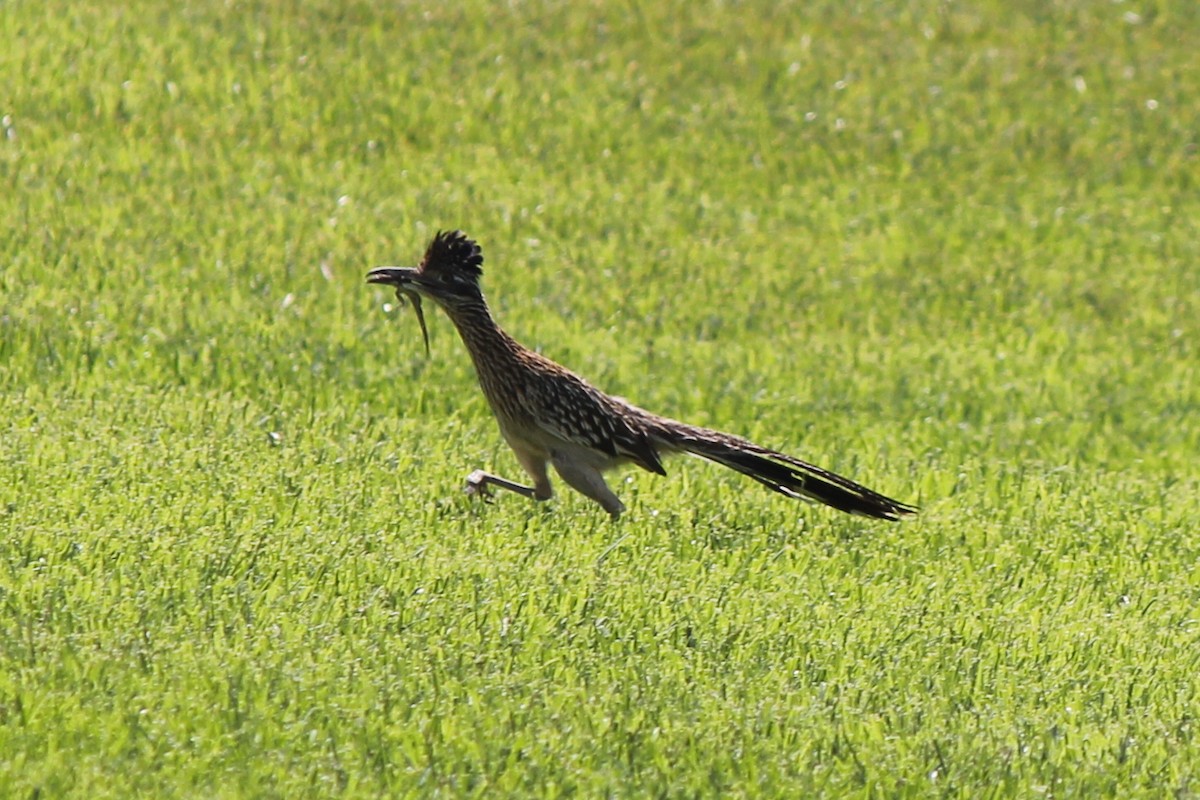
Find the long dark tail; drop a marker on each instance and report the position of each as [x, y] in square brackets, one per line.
[778, 472]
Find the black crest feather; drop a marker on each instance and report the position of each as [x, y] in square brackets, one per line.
[451, 253]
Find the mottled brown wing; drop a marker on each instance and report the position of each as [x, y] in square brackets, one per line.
[572, 410]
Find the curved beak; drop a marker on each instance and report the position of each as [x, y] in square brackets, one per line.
[393, 276]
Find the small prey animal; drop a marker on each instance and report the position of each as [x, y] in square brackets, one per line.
[552, 417]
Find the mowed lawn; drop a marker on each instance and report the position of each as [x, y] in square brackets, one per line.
[950, 250]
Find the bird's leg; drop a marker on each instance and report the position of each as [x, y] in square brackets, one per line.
[479, 481]
[588, 481]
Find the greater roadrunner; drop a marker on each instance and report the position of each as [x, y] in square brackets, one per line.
[548, 414]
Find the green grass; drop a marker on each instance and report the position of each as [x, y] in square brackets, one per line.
[949, 250]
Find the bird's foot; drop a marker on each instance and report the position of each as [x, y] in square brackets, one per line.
[477, 485]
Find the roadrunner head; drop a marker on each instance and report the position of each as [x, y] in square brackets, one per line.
[448, 275]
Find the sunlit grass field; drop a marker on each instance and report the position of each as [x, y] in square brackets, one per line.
[950, 250]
